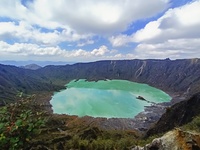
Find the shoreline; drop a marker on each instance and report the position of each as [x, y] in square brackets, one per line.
[141, 122]
[151, 114]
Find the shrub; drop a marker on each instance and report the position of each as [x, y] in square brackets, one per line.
[19, 122]
[83, 144]
[193, 125]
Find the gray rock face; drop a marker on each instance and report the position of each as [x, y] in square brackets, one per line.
[177, 115]
[176, 77]
[172, 76]
[174, 140]
[180, 76]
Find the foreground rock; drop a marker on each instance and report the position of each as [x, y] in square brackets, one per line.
[177, 115]
[174, 140]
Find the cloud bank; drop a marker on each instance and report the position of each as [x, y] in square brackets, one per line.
[175, 34]
[91, 30]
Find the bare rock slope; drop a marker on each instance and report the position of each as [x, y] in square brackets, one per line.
[174, 140]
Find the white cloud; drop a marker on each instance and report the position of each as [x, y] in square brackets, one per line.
[182, 22]
[26, 33]
[88, 42]
[177, 48]
[175, 34]
[101, 51]
[24, 49]
[150, 31]
[30, 51]
[120, 40]
[85, 16]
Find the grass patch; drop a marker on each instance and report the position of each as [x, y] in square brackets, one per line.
[194, 125]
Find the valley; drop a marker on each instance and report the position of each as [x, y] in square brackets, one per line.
[178, 78]
[109, 99]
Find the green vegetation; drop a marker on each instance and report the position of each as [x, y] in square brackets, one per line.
[25, 125]
[18, 123]
[82, 136]
[100, 144]
[194, 125]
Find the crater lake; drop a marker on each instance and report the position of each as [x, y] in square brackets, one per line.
[109, 99]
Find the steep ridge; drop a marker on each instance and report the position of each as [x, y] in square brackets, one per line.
[172, 76]
[179, 77]
[169, 75]
[177, 115]
[14, 80]
[31, 66]
[174, 140]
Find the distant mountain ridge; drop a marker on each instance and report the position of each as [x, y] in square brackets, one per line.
[40, 63]
[14, 80]
[168, 75]
[175, 76]
[31, 67]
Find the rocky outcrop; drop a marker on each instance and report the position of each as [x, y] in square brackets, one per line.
[176, 77]
[181, 76]
[174, 140]
[14, 80]
[141, 98]
[173, 76]
[177, 115]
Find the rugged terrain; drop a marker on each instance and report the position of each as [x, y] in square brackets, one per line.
[176, 139]
[179, 78]
[31, 66]
[172, 76]
[177, 115]
[14, 80]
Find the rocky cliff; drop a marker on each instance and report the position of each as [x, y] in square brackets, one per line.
[170, 75]
[177, 115]
[14, 80]
[174, 76]
[174, 140]
[177, 77]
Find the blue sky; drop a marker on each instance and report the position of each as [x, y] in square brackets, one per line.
[89, 30]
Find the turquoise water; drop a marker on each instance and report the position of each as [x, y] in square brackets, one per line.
[110, 99]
